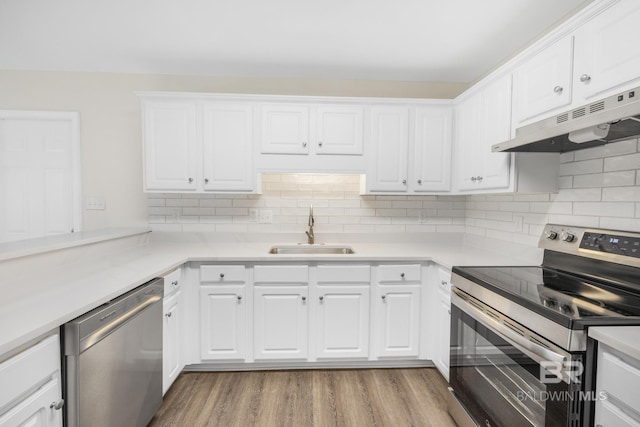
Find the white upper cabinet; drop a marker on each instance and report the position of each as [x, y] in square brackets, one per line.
[312, 129]
[482, 120]
[607, 55]
[389, 139]
[430, 167]
[193, 145]
[285, 129]
[227, 140]
[170, 145]
[542, 85]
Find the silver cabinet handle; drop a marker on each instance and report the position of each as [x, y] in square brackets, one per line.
[206, 180]
[174, 283]
[321, 298]
[222, 275]
[319, 143]
[473, 179]
[304, 299]
[404, 181]
[419, 182]
[585, 78]
[57, 405]
[402, 275]
[479, 179]
[190, 179]
[558, 89]
[304, 144]
[239, 297]
[168, 314]
[384, 297]
[449, 311]
[443, 282]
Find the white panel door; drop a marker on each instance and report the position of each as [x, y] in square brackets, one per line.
[432, 149]
[281, 322]
[227, 139]
[39, 175]
[170, 145]
[343, 321]
[171, 345]
[222, 322]
[34, 410]
[543, 84]
[285, 129]
[399, 321]
[339, 129]
[389, 144]
[607, 53]
[495, 128]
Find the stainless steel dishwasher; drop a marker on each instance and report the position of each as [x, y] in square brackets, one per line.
[113, 361]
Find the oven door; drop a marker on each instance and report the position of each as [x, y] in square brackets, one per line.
[504, 376]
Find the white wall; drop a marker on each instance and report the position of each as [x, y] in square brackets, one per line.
[338, 208]
[599, 187]
[111, 129]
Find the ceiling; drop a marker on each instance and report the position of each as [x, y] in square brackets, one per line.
[409, 40]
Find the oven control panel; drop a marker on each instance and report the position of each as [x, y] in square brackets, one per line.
[616, 246]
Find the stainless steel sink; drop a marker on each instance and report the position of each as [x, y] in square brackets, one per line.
[310, 249]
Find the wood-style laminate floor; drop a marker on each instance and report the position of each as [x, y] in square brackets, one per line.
[301, 398]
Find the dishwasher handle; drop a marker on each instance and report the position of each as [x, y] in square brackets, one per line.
[87, 330]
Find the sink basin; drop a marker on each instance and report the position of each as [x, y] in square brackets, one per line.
[311, 249]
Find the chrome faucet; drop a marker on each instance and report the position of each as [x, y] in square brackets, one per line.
[310, 237]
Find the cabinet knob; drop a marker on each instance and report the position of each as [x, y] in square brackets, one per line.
[443, 283]
[319, 143]
[222, 275]
[585, 78]
[384, 297]
[206, 180]
[558, 89]
[402, 275]
[304, 299]
[404, 181]
[174, 283]
[479, 179]
[190, 179]
[168, 314]
[57, 405]
[419, 182]
[449, 311]
[239, 297]
[321, 298]
[473, 179]
[304, 144]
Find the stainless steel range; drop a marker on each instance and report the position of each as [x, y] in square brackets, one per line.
[520, 355]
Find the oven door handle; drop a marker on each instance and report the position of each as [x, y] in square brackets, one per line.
[533, 350]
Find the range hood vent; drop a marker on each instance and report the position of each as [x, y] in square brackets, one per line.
[612, 119]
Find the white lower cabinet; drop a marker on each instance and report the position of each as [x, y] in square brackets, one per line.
[442, 322]
[172, 326]
[222, 321]
[30, 391]
[280, 326]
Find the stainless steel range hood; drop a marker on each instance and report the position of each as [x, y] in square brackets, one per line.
[612, 119]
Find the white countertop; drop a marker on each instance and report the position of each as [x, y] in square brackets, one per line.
[42, 292]
[623, 338]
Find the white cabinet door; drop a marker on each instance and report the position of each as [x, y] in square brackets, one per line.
[339, 129]
[431, 162]
[285, 129]
[343, 321]
[482, 120]
[227, 138]
[443, 322]
[543, 84]
[281, 322]
[170, 146]
[495, 120]
[607, 55]
[35, 410]
[389, 144]
[171, 344]
[399, 321]
[222, 322]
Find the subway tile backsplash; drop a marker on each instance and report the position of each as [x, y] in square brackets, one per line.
[599, 187]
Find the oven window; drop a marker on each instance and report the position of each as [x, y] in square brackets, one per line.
[500, 385]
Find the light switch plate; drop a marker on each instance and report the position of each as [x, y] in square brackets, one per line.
[266, 216]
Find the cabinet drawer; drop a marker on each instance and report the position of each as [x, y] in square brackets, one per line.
[281, 274]
[618, 378]
[399, 273]
[444, 280]
[29, 369]
[172, 281]
[344, 274]
[223, 273]
[610, 415]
